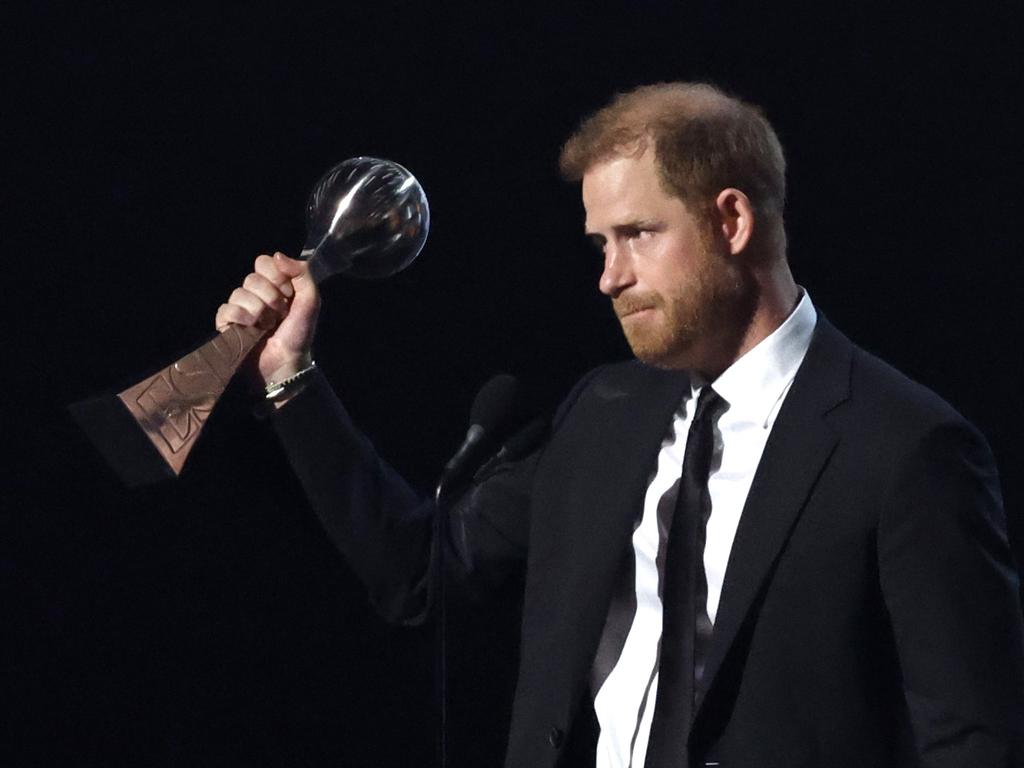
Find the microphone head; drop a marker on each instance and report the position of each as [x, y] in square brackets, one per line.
[496, 403]
[494, 408]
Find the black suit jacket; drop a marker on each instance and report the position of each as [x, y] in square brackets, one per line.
[869, 615]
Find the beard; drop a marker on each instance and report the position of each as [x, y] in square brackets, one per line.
[709, 311]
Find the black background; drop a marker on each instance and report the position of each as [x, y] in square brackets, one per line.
[152, 150]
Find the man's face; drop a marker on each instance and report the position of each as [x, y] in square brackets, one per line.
[675, 291]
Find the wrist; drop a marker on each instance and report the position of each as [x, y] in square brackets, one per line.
[288, 368]
[279, 391]
[278, 387]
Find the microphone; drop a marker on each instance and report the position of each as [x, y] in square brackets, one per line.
[493, 409]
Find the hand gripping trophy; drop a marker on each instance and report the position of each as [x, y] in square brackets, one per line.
[366, 218]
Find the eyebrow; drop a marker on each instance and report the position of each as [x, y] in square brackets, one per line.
[623, 227]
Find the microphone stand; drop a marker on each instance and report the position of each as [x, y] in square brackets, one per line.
[492, 407]
[440, 527]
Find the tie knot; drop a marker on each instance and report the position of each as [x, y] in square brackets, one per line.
[709, 403]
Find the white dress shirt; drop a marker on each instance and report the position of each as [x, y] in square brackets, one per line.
[754, 387]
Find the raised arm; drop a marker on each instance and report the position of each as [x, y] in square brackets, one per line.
[371, 514]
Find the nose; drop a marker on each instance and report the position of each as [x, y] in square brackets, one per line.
[618, 271]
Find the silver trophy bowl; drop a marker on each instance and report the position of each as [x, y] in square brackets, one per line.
[366, 218]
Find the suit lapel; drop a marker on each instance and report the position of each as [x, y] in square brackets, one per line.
[799, 447]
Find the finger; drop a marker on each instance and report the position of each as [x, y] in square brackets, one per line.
[232, 314]
[269, 293]
[267, 267]
[250, 302]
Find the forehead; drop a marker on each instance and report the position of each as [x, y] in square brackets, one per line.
[622, 189]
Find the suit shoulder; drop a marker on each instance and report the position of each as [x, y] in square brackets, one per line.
[902, 404]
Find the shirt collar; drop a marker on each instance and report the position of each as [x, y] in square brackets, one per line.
[755, 384]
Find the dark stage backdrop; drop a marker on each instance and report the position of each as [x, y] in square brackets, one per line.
[152, 150]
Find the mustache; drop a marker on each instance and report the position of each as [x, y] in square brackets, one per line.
[627, 305]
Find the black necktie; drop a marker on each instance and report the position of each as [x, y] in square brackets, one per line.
[686, 628]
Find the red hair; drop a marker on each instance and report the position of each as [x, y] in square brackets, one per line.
[703, 139]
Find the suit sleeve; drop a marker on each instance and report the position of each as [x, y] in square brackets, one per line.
[951, 589]
[381, 526]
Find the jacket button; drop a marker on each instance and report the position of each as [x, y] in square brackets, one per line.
[555, 737]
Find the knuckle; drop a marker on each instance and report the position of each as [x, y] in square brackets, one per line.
[228, 314]
[265, 266]
[239, 296]
[275, 276]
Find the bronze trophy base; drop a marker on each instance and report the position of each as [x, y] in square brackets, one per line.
[166, 411]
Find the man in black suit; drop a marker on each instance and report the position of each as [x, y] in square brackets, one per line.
[757, 545]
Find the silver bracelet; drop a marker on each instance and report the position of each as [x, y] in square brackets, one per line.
[275, 389]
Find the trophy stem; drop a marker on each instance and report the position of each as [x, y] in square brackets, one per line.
[171, 406]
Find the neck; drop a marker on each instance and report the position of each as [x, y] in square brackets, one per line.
[774, 297]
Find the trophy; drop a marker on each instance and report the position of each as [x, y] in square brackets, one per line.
[366, 218]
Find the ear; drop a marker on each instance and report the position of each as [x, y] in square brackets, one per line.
[736, 218]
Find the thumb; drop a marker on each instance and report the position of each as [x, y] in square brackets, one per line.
[298, 271]
[299, 324]
[291, 267]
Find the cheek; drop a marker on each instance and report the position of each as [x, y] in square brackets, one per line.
[667, 272]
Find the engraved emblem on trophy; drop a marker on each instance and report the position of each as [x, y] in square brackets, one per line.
[366, 218]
